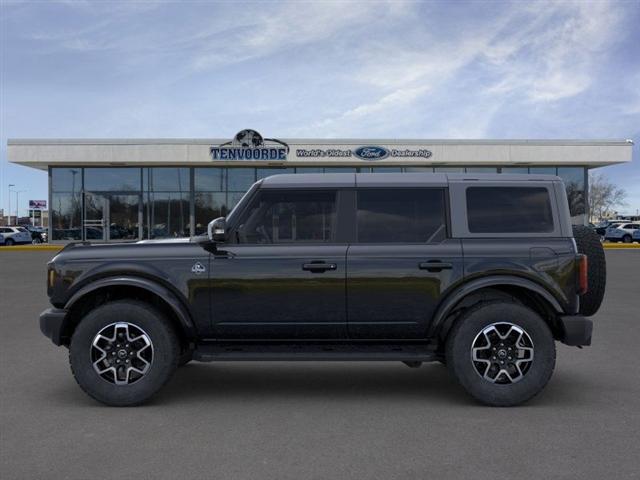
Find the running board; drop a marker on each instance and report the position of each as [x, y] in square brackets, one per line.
[339, 352]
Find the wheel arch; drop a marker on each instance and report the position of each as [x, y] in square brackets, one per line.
[510, 288]
[121, 287]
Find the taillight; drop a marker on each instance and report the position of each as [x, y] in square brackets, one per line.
[583, 275]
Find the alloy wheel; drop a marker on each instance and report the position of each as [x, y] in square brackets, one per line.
[121, 353]
[502, 353]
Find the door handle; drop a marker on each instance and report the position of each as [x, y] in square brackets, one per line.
[319, 267]
[434, 266]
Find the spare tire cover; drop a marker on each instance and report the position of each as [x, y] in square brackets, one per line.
[588, 243]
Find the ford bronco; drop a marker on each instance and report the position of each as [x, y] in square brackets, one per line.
[483, 273]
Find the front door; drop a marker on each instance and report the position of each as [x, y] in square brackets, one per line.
[112, 217]
[283, 274]
[401, 263]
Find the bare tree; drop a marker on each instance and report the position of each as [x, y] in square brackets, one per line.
[604, 196]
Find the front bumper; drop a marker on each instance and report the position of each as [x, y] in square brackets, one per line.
[575, 330]
[52, 322]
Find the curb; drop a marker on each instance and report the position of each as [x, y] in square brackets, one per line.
[26, 248]
[620, 246]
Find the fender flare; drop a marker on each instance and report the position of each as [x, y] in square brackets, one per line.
[178, 308]
[439, 323]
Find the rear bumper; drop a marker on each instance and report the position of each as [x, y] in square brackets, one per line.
[575, 330]
[52, 324]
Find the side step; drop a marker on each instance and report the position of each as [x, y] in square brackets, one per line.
[302, 351]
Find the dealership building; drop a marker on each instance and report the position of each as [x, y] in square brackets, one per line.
[132, 189]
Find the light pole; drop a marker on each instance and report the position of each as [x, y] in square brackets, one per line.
[18, 192]
[9, 212]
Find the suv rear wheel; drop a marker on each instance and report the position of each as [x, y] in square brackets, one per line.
[502, 353]
[123, 352]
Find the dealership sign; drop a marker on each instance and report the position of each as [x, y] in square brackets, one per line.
[365, 152]
[38, 204]
[250, 145]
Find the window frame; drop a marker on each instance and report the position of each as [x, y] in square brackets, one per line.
[445, 203]
[338, 238]
[459, 213]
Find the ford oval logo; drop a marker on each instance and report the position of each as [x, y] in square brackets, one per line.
[371, 153]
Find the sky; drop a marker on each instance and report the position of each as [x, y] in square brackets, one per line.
[374, 69]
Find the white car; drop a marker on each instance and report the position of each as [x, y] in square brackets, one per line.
[15, 235]
[621, 233]
[1, 239]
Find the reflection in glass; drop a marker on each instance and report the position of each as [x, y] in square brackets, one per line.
[543, 170]
[481, 170]
[208, 206]
[211, 179]
[267, 172]
[449, 169]
[65, 216]
[573, 178]
[514, 170]
[382, 170]
[418, 169]
[124, 217]
[240, 179]
[309, 170]
[66, 179]
[166, 215]
[166, 179]
[112, 179]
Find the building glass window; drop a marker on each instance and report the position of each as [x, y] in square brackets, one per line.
[481, 170]
[208, 206]
[418, 169]
[66, 180]
[240, 179]
[383, 169]
[573, 178]
[112, 179]
[309, 169]
[267, 172]
[210, 179]
[449, 169]
[166, 179]
[66, 216]
[543, 170]
[514, 170]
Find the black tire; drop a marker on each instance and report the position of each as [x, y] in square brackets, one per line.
[165, 348]
[626, 239]
[36, 241]
[589, 244]
[469, 327]
[9, 242]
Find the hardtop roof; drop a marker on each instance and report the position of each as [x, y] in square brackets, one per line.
[409, 179]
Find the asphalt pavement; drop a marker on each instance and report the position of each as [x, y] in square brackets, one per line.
[318, 420]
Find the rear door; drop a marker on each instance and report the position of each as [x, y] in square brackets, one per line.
[400, 263]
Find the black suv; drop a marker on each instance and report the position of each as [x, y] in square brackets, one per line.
[480, 272]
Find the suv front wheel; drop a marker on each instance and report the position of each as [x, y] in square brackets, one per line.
[123, 352]
[502, 353]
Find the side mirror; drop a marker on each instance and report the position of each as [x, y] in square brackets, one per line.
[217, 230]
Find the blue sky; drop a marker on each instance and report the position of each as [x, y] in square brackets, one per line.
[323, 69]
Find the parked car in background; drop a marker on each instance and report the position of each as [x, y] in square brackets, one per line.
[636, 236]
[38, 234]
[1, 239]
[15, 235]
[601, 228]
[621, 233]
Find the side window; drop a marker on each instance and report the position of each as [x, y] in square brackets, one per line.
[509, 210]
[289, 217]
[400, 215]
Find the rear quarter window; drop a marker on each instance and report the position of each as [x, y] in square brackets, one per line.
[509, 210]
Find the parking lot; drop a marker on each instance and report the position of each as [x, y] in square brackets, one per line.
[318, 420]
